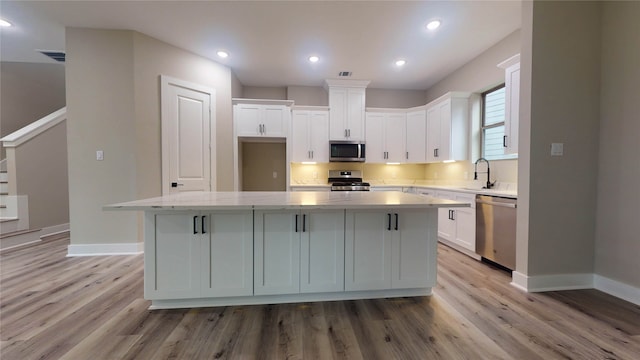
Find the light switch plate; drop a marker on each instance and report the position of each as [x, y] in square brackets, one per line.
[557, 149]
[99, 155]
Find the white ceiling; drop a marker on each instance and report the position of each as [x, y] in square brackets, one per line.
[270, 41]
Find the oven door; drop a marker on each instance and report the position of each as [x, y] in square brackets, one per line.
[346, 151]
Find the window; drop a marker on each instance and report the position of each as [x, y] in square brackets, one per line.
[493, 115]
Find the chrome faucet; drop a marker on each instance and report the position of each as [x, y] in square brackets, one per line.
[475, 173]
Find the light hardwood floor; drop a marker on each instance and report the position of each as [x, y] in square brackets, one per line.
[54, 307]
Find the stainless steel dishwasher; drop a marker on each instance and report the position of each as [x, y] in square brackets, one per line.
[496, 229]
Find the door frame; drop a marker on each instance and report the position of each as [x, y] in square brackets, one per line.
[165, 82]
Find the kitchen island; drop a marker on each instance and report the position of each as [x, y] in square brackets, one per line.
[239, 248]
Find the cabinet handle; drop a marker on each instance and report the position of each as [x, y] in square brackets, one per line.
[195, 224]
[504, 141]
[396, 221]
[296, 222]
[312, 154]
[203, 229]
[449, 215]
[345, 132]
[453, 214]
[348, 132]
[407, 156]
[304, 221]
[389, 222]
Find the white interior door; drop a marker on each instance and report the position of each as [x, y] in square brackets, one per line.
[188, 137]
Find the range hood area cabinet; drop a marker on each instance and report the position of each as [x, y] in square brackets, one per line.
[385, 136]
[346, 109]
[310, 134]
[261, 118]
[448, 127]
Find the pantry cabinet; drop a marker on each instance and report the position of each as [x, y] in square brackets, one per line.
[385, 137]
[448, 128]
[310, 135]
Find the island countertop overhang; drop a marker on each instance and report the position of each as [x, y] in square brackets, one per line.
[198, 201]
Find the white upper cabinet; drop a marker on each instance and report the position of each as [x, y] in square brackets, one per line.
[511, 67]
[346, 110]
[310, 135]
[448, 128]
[385, 133]
[416, 137]
[270, 120]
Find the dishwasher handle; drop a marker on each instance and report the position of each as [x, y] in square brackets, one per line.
[495, 203]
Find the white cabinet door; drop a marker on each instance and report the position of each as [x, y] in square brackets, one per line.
[274, 120]
[414, 249]
[394, 137]
[448, 128]
[247, 119]
[227, 253]
[310, 136]
[367, 250]
[276, 252]
[172, 257]
[446, 221]
[385, 137]
[458, 225]
[416, 137]
[376, 152]
[512, 108]
[465, 228]
[319, 136]
[433, 134]
[346, 113]
[301, 149]
[322, 251]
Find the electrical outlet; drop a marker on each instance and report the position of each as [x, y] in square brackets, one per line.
[315, 174]
[99, 155]
[557, 149]
[275, 174]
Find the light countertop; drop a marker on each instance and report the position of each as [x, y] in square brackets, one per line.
[286, 200]
[499, 191]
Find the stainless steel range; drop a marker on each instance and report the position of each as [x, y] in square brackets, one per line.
[347, 180]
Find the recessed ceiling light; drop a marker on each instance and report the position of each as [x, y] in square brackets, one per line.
[4, 23]
[222, 54]
[434, 24]
[400, 62]
[314, 59]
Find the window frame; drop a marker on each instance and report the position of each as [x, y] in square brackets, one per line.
[484, 127]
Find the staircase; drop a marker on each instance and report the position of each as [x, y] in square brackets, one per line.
[14, 200]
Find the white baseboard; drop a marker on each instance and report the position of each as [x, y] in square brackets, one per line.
[552, 282]
[617, 289]
[105, 249]
[576, 281]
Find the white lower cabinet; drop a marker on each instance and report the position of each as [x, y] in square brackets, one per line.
[390, 249]
[458, 225]
[299, 251]
[198, 254]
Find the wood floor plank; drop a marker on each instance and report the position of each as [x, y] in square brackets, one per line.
[54, 307]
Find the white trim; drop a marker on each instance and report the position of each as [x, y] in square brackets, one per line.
[617, 289]
[290, 298]
[54, 230]
[235, 101]
[309, 108]
[35, 128]
[556, 282]
[105, 249]
[346, 83]
[510, 61]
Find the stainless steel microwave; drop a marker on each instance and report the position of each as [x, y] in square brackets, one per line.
[346, 151]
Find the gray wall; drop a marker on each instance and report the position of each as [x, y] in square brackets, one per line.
[387, 98]
[28, 92]
[481, 73]
[113, 103]
[564, 103]
[264, 92]
[308, 95]
[617, 226]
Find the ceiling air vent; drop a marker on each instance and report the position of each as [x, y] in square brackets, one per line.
[54, 54]
[344, 73]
